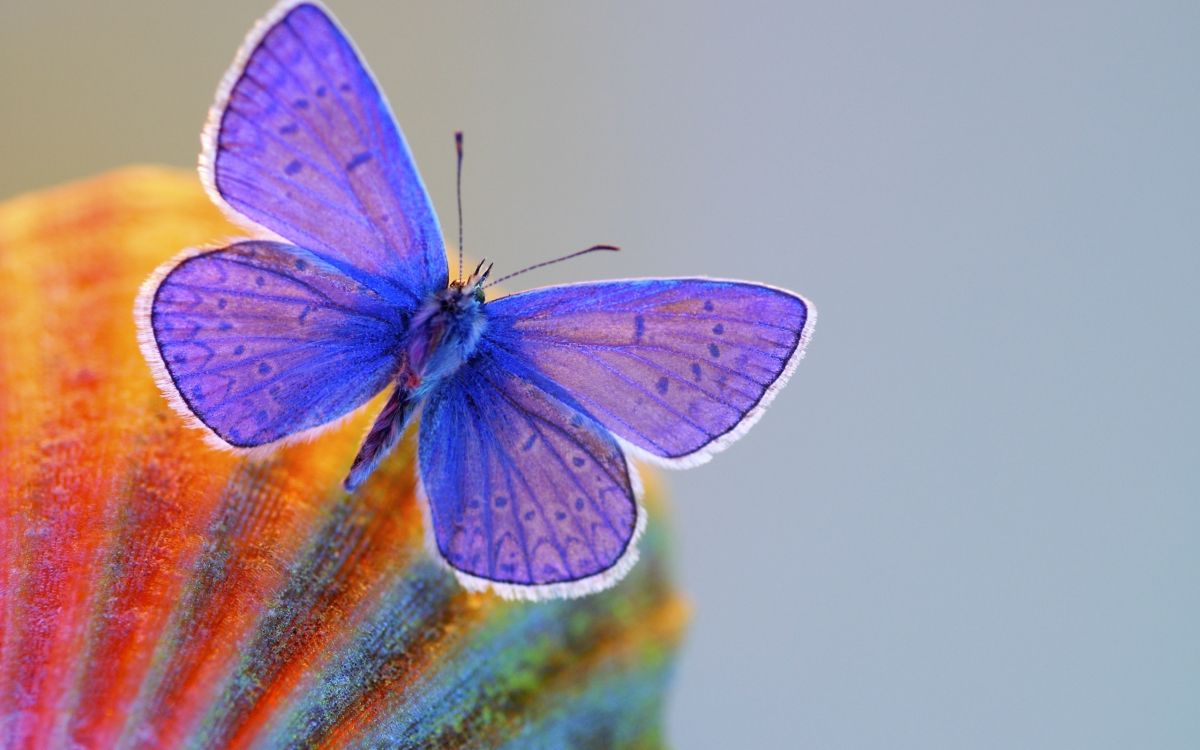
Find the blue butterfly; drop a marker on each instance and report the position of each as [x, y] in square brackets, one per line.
[531, 404]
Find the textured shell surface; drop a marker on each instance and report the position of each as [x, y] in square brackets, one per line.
[155, 593]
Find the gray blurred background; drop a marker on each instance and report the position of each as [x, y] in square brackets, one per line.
[972, 519]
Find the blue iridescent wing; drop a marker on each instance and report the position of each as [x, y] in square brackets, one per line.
[527, 493]
[677, 368]
[301, 141]
[261, 341]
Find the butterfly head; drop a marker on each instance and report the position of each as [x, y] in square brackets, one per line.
[457, 310]
[471, 290]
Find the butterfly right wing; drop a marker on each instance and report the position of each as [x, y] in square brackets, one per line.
[527, 494]
[677, 368]
[301, 141]
[260, 342]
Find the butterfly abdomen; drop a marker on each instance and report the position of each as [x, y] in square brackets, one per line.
[383, 435]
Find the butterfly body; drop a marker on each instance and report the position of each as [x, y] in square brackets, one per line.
[440, 337]
[443, 335]
[531, 404]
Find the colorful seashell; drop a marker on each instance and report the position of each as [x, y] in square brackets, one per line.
[158, 594]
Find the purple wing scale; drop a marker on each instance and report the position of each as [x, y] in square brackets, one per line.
[677, 368]
[302, 142]
[527, 493]
[257, 340]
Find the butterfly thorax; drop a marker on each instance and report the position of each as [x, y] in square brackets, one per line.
[442, 335]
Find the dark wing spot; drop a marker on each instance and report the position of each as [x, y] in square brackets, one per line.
[259, 280]
[197, 394]
[225, 325]
[344, 87]
[718, 329]
[529, 442]
[261, 416]
[290, 129]
[578, 461]
[501, 501]
[696, 371]
[639, 328]
[576, 420]
[179, 359]
[708, 305]
[293, 167]
[661, 385]
[320, 91]
[559, 515]
[714, 350]
[301, 264]
[358, 160]
[579, 503]
[222, 302]
[237, 350]
[263, 368]
[301, 103]
[528, 515]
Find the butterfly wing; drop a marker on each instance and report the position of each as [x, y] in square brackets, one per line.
[527, 494]
[261, 341]
[677, 368]
[300, 141]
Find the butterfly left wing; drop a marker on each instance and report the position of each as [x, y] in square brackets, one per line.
[301, 141]
[527, 493]
[261, 342]
[677, 368]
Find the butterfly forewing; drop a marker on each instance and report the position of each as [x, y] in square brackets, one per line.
[526, 491]
[304, 145]
[262, 341]
[676, 367]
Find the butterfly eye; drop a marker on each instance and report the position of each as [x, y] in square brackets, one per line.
[479, 294]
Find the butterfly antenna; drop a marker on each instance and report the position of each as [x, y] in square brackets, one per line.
[458, 192]
[544, 263]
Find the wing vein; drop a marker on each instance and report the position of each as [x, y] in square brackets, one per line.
[562, 462]
[637, 386]
[320, 140]
[596, 405]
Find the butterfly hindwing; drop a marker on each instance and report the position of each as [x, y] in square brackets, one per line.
[261, 341]
[677, 368]
[301, 142]
[527, 493]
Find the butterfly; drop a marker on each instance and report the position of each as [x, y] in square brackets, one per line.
[531, 404]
